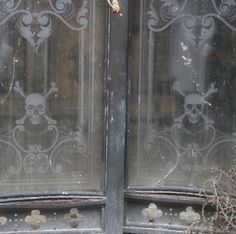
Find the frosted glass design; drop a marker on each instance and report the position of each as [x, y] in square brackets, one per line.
[182, 102]
[51, 96]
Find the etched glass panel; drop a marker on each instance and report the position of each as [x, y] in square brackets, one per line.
[51, 99]
[182, 102]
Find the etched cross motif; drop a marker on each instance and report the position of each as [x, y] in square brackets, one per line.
[189, 216]
[3, 220]
[152, 212]
[74, 217]
[35, 220]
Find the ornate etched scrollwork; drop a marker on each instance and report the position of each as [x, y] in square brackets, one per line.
[36, 158]
[191, 144]
[8, 6]
[169, 12]
[226, 9]
[65, 154]
[36, 26]
[37, 145]
[66, 8]
[191, 34]
[61, 6]
[29, 20]
[170, 9]
[198, 29]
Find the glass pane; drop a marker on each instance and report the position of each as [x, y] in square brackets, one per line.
[183, 101]
[51, 111]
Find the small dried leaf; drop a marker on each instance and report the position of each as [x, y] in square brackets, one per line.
[116, 9]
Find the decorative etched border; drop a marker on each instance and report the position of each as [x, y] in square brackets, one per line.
[197, 31]
[64, 10]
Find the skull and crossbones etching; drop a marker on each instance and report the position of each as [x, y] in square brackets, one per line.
[35, 106]
[194, 105]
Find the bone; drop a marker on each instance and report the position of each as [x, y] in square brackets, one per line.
[176, 87]
[50, 121]
[52, 90]
[207, 120]
[21, 121]
[18, 89]
[211, 90]
[180, 118]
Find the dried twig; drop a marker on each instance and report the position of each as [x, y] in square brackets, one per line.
[221, 200]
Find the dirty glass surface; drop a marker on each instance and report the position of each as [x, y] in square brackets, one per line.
[182, 109]
[51, 95]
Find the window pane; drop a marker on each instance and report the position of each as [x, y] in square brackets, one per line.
[51, 65]
[183, 103]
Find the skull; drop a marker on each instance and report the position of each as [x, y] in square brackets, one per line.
[35, 107]
[193, 106]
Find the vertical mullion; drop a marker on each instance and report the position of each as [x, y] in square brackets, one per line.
[117, 79]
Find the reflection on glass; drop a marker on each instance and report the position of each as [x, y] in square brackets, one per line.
[51, 96]
[182, 107]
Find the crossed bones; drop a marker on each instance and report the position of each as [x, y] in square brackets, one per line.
[194, 104]
[35, 105]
